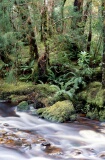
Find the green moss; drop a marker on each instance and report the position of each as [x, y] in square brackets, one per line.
[23, 106]
[46, 89]
[23, 88]
[12, 87]
[17, 98]
[61, 111]
[93, 115]
[93, 94]
[97, 72]
[102, 115]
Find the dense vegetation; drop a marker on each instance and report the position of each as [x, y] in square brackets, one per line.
[57, 43]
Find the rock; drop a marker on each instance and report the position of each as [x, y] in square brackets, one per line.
[51, 150]
[76, 152]
[61, 111]
[6, 124]
[46, 144]
[93, 115]
[93, 98]
[101, 155]
[23, 106]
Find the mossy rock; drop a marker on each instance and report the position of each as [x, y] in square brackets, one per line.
[93, 94]
[23, 106]
[17, 98]
[93, 115]
[46, 89]
[61, 111]
[102, 115]
[22, 88]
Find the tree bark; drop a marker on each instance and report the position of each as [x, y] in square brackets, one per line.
[32, 42]
[103, 57]
[78, 8]
[62, 15]
[26, 28]
[90, 27]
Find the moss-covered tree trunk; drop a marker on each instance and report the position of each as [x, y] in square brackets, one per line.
[90, 25]
[103, 57]
[32, 42]
[62, 15]
[50, 9]
[27, 28]
[78, 9]
[43, 61]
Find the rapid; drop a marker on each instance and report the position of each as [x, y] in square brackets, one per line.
[27, 137]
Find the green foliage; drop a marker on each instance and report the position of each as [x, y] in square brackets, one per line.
[11, 76]
[54, 78]
[27, 71]
[84, 59]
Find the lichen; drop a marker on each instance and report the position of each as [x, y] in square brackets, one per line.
[61, 111]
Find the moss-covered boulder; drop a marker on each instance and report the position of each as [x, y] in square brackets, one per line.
[21, 88]
[23, 91]
[94, 96]
[17, 98]
[23, 106]
[93, 115]
[61, 111]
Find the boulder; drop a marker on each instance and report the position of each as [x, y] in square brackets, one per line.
[23, 106]
[61, 111]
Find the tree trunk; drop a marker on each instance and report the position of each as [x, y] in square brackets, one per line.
[50, 9]
[43, 61]
[32, 42]
[90, 28]
[26, 28]
[62, 15]
[103, 57]
[78, 8]
[86, 11]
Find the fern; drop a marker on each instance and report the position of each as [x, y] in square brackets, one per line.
[10, 76]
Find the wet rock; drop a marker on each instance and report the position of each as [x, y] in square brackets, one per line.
[18, 142]
[76, 152]
[51, 150]
[101, 155]
[46, 144]
[6, 124]
[23, 106]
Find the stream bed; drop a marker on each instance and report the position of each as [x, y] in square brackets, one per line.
[27, 137]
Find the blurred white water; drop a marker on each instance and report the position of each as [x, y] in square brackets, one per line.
[76, 140]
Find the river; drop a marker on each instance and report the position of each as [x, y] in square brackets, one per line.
[27, 137]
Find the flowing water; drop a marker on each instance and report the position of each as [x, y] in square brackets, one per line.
[27, 137]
